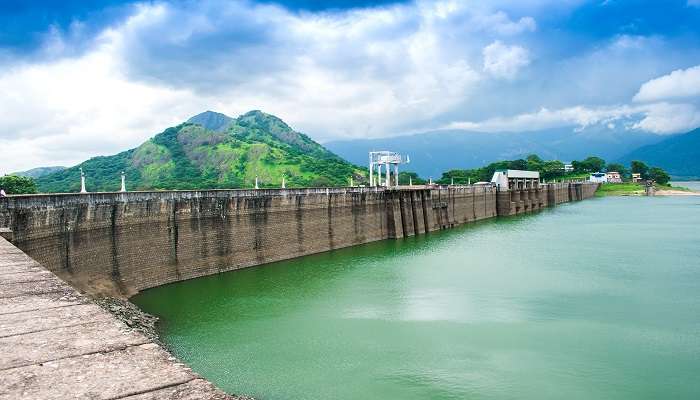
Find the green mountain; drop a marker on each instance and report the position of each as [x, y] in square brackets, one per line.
[679, 155]
[213, 121]
[209, 151]
[38, 172]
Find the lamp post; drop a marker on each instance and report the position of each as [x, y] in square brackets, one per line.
[123, 189]
[82, 181]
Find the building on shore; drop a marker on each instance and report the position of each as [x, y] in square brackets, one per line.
[516, 179]
[613, 177]
[598, 177]
[636, 178]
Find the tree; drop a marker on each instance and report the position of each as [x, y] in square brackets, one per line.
[639, 167]
[321, 181]
[534, 162]
[658, 175]
[552, 169]
[517, 164]
[616, 167]
[410, 177]
[459, 176]
[14, 184]
[594, 164]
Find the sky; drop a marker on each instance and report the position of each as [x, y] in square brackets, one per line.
[80, 79]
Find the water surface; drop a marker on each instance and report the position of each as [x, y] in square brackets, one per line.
[592, 300]
[692, 185]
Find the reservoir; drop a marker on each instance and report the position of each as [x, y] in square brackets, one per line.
[597, 299]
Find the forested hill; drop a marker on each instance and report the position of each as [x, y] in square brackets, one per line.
[679, 155]
[213, 150]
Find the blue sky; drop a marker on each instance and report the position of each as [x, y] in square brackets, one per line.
[86, 78]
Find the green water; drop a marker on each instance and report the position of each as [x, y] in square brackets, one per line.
[594, 300]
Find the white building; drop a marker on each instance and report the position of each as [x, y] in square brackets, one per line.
[598, 177]
[516, 179]
[613, 177]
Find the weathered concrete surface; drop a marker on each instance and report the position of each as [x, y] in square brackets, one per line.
[117, 244]
[57, 344]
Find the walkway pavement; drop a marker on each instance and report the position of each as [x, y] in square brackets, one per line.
[57, 344]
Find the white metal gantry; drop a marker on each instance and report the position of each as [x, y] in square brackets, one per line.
[385, 159]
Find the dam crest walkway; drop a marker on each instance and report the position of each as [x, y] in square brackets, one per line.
[57, 344]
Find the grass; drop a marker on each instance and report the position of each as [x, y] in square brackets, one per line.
[620, 189]
[631, 189]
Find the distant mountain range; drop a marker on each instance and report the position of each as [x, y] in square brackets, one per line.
[679, 155]
[38, 172]
[212, 150]
[432, 153]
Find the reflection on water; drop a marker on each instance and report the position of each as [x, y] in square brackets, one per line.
[592, 300]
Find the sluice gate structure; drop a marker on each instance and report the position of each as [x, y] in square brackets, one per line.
[116, 244]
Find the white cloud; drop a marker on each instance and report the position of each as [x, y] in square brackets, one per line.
[63, 111]
[678, 84]
[500, 23]
[659, 118]
[504, 61]
[666, 118]
[337, 74]
[358, 73]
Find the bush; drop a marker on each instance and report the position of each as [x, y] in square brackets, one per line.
[659, 175]
[14, 184]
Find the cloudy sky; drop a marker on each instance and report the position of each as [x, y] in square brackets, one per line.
[79, 79]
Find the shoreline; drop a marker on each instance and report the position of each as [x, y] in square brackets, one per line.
[673, 192]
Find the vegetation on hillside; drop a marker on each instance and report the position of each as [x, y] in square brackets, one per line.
[15, 184]
[37, 172]
[190, 156]
[679, 155]
[549, 170]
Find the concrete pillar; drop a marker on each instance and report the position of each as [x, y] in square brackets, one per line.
[283, 183]
[82, 181]
[256, 183]
[123, 189]
[379, 175]
[396, 174]
[371, 173]
[388, 175]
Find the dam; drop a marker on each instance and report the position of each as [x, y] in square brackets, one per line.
[118, 244]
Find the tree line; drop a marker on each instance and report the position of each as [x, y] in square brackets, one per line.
[549, 170]
[554, 170]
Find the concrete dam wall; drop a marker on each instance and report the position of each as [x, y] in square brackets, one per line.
[120, 243]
